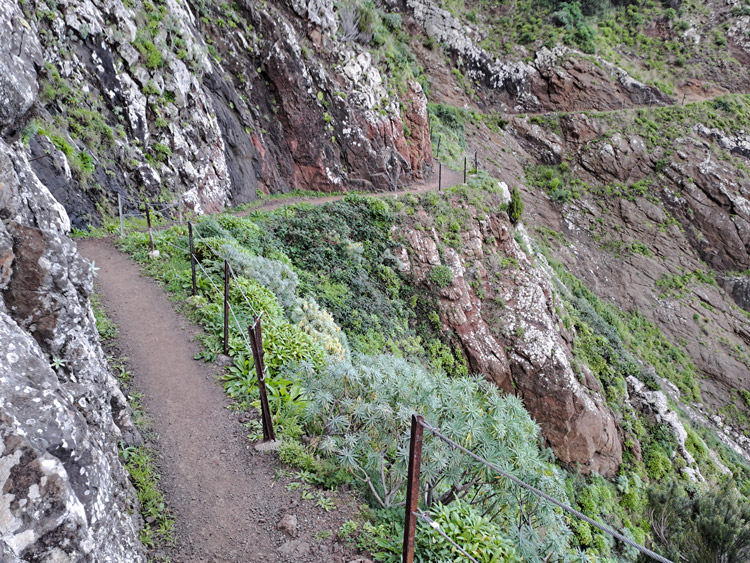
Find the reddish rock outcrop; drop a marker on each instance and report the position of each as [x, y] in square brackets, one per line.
[500, 308]
[418, 149]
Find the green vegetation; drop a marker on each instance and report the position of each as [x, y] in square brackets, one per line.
[558, 181]
[105, 327]
[615, 344]
[447, 127]
[660, 126]
[353, 350]
[718, 528]
[158, 524]
[620, 32]
[311, 260]
[677, 285]
[515, 209]
[441, 276]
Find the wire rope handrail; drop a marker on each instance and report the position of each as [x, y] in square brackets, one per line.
[415, 450]
[216, 288]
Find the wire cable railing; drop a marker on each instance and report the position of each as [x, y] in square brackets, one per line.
[412, 500]
[215, 287]
[255, 341]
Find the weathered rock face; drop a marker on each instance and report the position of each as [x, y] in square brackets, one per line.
[691, 213]
[162, 101]
[64, 496]
[501, 309]
[559, 79]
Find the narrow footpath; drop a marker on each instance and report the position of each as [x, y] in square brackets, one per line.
[222, 492]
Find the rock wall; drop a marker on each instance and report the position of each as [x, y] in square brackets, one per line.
[155, 99]
[64, 496]
[559, 79]
[501, 308]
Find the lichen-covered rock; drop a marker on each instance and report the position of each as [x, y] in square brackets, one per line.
[654, 405]
[65, 496]
[18, 86]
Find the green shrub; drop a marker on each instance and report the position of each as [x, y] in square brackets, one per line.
[442, 276]
[515, 209]
[658, 464]
[478, 536]
[319, 324]
[364, 410]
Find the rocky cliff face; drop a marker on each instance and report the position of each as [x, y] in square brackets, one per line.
[221, 102]
[502, 309]
[63, 494]
[215, 102]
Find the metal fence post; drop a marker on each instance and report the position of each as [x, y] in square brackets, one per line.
[119, 209]
[226, 307]
[192, 257]
[440, 176]
[256, 341]
[148, 222]
[412, 488]
[476, 163]
[464, 169]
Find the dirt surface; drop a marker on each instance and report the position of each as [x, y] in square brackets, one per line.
[227, 498]
[449, 179]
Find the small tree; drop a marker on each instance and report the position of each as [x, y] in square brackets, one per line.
[515, 209]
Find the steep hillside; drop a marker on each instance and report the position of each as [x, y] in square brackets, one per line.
[616, 306]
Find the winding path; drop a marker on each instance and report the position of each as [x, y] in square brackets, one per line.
[224, 495]
[210, 474]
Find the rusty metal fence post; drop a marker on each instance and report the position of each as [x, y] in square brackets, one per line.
[226, 307]
[192, 257]
[256, 341]
[412, 487]
[148, 222]
[119, 210]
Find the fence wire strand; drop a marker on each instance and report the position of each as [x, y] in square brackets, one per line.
[204, 241]
[603, 527]
[255, 313]
[211, 281]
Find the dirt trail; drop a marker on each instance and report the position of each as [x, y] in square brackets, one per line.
[222, 492]
[450, 178]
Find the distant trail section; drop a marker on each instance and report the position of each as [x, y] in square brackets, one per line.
[220, 489]
[450, 178]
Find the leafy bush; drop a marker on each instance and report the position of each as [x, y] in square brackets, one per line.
[709, 525]
[478, 536]
[320, 325]
[272, 274]
[364, 409]
[441, 275]
[515, 209]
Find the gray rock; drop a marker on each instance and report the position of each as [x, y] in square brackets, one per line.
[294, 548]
[21, 51]
[65, 494]
[288, 525]
[317, 12]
